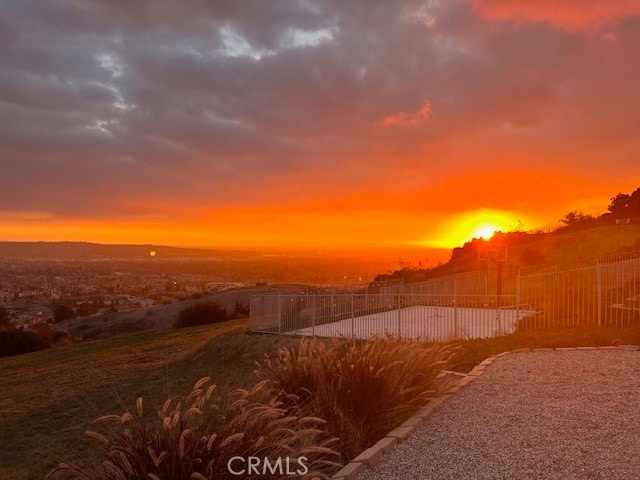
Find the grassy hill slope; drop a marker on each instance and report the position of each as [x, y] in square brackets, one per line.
[567, 246]
[561, 247]
[159, 317]
[49, 398]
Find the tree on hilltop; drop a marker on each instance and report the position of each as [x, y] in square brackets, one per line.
[576, 219]
[625, 205]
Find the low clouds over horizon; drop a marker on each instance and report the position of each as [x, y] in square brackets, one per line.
[177, 110]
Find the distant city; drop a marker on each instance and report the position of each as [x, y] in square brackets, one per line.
[92, 283]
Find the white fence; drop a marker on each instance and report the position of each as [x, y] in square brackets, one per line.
[410, 316]
[593, 292]
[599, 294]
[473, 283]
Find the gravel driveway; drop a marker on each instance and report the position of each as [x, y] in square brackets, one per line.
[540, 415]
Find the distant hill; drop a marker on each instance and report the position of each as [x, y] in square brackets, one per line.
[86, 250]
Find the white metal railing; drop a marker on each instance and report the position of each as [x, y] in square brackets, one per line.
[580, 263]
[470, 283]
[415, 316]
[594, 294]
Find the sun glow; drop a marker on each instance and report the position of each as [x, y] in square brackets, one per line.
[485, 231]
[462, 228]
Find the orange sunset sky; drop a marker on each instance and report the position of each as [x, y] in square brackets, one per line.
[307, 123]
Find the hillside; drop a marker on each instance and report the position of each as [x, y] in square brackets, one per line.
[561, 247]
[158, 317]
[47, 401]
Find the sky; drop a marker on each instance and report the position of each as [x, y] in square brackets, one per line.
[293, 124]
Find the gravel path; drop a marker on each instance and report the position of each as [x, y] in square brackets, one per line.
[541, 415]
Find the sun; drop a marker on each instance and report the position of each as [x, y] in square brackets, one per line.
[485, 231]
[466, 226]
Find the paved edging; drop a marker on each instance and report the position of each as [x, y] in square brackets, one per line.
[372, 455]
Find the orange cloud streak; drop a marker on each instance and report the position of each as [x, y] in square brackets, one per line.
[408, 118]
[567, 14]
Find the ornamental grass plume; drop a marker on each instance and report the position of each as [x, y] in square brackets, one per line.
[196, 436]
[364, 388]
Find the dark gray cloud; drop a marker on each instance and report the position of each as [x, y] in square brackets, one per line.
[105, 102]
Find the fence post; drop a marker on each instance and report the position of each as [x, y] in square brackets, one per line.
[399, 313]
[279, 311]
[332, 309]
[455, 316]
[313, 315]
[599, 289]
[353, 333]
[517, 299]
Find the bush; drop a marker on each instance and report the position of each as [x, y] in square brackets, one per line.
[292, 318]
[532, 256]
[364, 388]
[16, 342]
[197, 435]
[202, 314]
[85, 309]
[62, 313]
[241, 310]
[39, 337]
[6, 323]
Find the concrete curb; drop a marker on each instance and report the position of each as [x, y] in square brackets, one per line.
[372, 455]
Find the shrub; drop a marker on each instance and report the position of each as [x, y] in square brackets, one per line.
[292, 317]
[45, 332]
[197, 435]
[364, 388]
[201, 314]
[16, 342]
[62, 313]
[241, 310]
[85, 309]
[40, 336]
[532, 256]
[6, 323]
